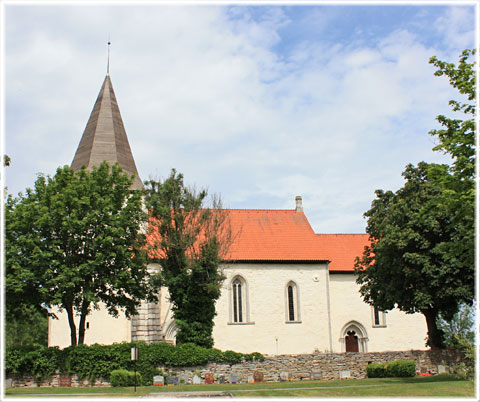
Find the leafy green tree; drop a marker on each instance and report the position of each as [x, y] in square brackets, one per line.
[26, 330]
[74, 241]
[408, 263]
[422, 254]
[189, 240]
[457, 137]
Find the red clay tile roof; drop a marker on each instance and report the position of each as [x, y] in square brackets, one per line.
[286, 235]
[342, 249]
[272, 235]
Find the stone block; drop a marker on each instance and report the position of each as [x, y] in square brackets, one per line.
[65, 381]
[209, 378]
[172, 380]
[284, 376]
[316, 375]
[258, 376]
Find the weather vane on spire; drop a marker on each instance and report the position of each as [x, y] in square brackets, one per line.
[108, 55]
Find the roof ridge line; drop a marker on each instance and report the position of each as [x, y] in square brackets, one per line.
[341, 234]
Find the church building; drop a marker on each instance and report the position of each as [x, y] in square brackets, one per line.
[287, 290]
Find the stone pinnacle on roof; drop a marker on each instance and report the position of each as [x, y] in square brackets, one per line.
[104, 138]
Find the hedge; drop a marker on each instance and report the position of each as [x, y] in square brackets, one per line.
[401, 368]
[124, 378]
[397, 368]
[98, 361]
[376, 370]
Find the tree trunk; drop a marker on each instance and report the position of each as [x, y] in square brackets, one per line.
[435, 335]
[71, 322]
[81, 325]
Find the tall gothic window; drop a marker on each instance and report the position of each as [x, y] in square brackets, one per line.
[237, 301]
[292, 304]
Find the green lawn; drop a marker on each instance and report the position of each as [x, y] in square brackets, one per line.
[438, 386]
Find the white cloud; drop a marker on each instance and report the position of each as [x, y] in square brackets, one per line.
[210, 91]
[457, 27]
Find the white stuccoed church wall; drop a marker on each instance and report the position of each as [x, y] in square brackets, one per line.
[401, 332]
[103, 329]
[267, 330]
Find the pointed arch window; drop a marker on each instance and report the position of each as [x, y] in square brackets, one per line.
[292, 303]
[239, 303]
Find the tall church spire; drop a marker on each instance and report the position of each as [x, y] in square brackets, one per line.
[104, 138]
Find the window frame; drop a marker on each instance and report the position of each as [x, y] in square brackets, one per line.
[382, 318]
[292, 300]
[238, 281]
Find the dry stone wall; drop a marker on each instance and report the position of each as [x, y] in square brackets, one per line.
[327, 366]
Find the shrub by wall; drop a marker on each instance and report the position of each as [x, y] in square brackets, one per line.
[376, 370]
[401, 368]
[397, 368]
[124, 378]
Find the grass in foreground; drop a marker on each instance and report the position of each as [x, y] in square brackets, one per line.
[438, 386]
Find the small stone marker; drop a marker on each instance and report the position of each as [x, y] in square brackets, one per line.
[172, 380]
[158, 380]
[258, 376]
[284, 376]
[183, 377]
[316, 376]
[222, 380]
[196, 379]
[209, 379]
[250, 378]
[233, 378]
[345, 374]
[65, 382]
[441, 369]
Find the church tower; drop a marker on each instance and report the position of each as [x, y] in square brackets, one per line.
[104, 138]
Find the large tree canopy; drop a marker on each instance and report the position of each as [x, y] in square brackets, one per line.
[189, 239]
[421, 256]
[408, 264]
[75, 240]
[457, 136]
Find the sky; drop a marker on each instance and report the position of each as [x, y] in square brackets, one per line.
[256, 103]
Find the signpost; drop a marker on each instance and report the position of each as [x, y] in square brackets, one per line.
[135, 358]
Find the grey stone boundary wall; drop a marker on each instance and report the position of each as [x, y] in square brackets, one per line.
[327, 366]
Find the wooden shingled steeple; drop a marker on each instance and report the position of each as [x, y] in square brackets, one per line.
[104, 138]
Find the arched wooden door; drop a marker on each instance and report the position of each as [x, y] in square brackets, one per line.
[351, 342]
